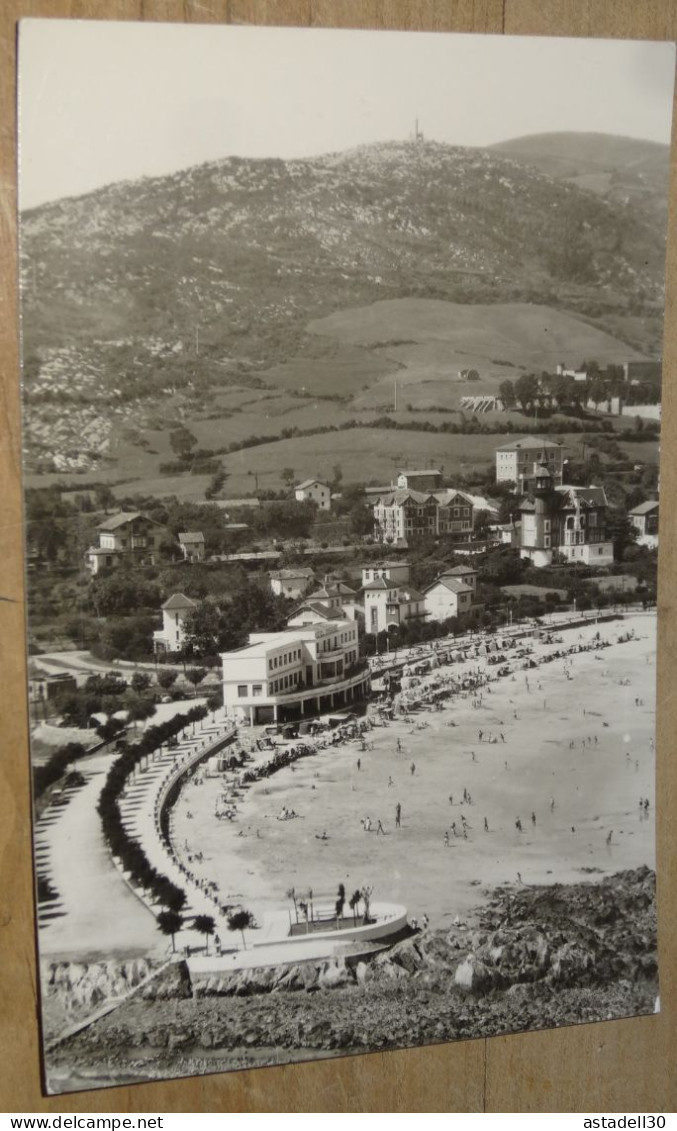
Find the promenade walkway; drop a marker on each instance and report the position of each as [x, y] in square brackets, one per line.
[141, 804]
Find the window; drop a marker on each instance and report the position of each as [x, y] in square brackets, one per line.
[257, 689]
[242, 690]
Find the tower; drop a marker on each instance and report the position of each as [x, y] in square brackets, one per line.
[537, 518]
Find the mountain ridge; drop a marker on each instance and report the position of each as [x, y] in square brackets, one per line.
[154, 293]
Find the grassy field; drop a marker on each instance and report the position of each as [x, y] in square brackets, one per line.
[524, 334]
[405, 353]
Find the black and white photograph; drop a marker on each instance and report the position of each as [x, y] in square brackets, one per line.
[341, 391]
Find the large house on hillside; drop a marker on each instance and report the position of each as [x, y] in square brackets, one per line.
[294, 674]
[516, 462]
[406, 515]
[129, 537]
[567, 520]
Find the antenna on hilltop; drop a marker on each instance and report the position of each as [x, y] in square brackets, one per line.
[418, 134]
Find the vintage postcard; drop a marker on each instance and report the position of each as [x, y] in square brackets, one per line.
[341, 371]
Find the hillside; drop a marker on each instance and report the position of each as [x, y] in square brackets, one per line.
[144, 301]
[622, 169]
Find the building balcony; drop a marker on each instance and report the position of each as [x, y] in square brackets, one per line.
[351, 676]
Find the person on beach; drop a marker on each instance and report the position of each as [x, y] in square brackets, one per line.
[398, 815]
[413, 768]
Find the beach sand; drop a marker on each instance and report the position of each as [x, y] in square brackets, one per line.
[596, 787]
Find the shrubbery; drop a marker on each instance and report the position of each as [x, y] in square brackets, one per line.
[120, 843]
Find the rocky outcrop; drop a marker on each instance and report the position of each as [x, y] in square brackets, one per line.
[534, 958]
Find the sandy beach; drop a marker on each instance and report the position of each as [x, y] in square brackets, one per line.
[566, 756]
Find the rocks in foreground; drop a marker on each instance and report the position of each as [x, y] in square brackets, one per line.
[533, 958]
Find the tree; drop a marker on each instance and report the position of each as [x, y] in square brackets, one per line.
[361, 519]
[288, 476]
[166, 679]
[140, 682]
[526, 390]
[169, 922]
[598, 390]
[204, 925]
[203, 627]
[196, 675]
[506, 391]
[140, 710]
[341, 901]
[239, 921]
[355, 900]
[621, 531]
[182, 441]
[366, 898]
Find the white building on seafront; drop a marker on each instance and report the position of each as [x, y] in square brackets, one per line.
[295, 673]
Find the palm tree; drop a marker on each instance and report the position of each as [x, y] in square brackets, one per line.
[354, 904]
[238, 921]
[291, 894]
[169, 922]
[366, 896]
[341, 901]
[204, 925]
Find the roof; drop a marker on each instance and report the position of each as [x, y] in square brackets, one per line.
[228, 504]
[425, 471]
[589, 496]
[380, 583]
[529, 443]
[310, 483]
[404, 495]
[645, 508]
[445, 497]
[287, 574]
[179, 601]
[338, 589]
[321, 609]
[568, 498]
[408, 594]
[450, 583]
[386, 565]
[458, 571]
[190, 537]
[116, 520]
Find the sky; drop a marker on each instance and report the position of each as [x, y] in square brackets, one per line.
[101, 102]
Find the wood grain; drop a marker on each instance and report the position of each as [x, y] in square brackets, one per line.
[612, 1066]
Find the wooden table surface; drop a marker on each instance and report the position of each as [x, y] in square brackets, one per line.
[614, 1066]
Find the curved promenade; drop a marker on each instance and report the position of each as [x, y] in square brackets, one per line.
[145, 795]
